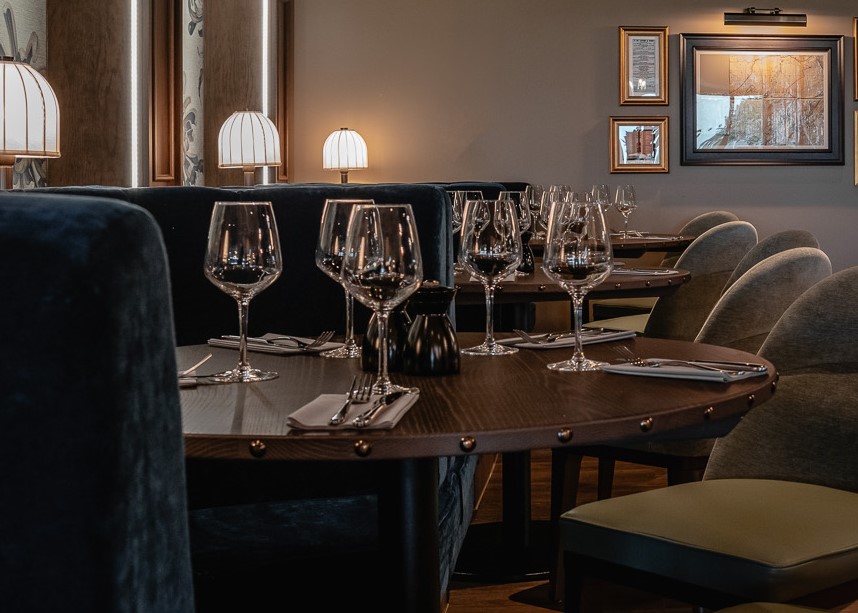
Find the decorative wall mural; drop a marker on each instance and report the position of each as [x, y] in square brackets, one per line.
[22, 36]
[192, 93]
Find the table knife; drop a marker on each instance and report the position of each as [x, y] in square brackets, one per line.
[364, 419]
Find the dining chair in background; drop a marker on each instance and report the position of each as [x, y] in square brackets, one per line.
[93, 514]
[711, 259]
[741, 319]
[770, 245]
[773, 519]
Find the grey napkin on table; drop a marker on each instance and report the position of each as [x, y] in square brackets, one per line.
[588, 337]
[680, 372]
[283, 349]
[316, 414]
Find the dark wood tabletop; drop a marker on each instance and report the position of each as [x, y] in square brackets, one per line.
[636, 246]
[497, 404]
[507, 404]
[538, 287]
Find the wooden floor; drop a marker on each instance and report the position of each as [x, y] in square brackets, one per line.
[533, 596]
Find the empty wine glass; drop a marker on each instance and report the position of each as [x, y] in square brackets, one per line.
[602, 194]
[457, 199]
[522, 211]
[382, 266]
[578, 256]
[625, 203]
[242, 259]
[330, 250]
[491, 249]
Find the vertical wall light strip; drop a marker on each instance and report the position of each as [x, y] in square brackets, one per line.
[135, 110]
[265, 46]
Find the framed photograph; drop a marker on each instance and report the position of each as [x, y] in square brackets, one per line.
[855, 124]
[761, 99]
[643, 65]
[855, 57]
[639, 144]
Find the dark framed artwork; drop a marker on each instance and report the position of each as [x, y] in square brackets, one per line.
[643, 65]
[761, 99]
[639, 144]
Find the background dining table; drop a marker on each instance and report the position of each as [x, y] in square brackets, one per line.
[495, 404]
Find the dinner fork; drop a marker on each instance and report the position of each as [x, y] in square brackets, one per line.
[277, 341]
[635, 360]
[550, 337]
[359, 393]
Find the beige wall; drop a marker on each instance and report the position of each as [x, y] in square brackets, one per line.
[523, 90]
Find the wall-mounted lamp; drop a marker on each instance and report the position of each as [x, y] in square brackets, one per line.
[248, 139]
[344, 150]
[753, 16]
[29, 117]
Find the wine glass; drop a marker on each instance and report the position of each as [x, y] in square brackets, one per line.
[382, 266]
[578, 256]
[625, 203]
[329, 258]
[491, 249]
[242, 259]
[522, 210]
[457, 198]
[602, 194]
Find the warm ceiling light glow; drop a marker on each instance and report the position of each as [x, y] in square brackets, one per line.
[344, 150]
[753, 16]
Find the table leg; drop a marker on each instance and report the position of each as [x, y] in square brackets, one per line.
[409, 536]
[517, 549]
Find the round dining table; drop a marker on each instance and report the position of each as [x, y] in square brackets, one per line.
[510, 403]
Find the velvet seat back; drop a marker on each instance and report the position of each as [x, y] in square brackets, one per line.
[92, 501]
[304, 300]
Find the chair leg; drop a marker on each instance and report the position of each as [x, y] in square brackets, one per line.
[565, 475]
[606, 477]
[574, 582]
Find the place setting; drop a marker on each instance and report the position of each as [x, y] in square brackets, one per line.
[671, 368]
[280, 344]
[565, 338]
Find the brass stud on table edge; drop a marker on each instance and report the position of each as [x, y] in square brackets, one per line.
[646, 424]
[363, 448]
[707, 414]
[467, 443]
[542, 288]
[564, 435]
[751, 398]
[257, 448]
[648, 283]
[617, 285]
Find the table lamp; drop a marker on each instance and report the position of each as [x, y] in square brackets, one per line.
[29, 117]
[248, 139]
[344, 150]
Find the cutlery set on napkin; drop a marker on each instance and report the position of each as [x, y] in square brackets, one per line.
[701, 370]
[380, 412]
[567, 339]
[281, 344]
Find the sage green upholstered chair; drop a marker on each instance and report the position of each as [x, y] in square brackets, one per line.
[741, 319]
[772, 244]
[774, 518]
[695, 227]
[711, 258]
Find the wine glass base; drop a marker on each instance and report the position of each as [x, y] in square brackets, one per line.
[574, 365]
[346, 351]
[487, 349]
[243, 375]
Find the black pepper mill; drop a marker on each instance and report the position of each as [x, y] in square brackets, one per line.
[431, 347]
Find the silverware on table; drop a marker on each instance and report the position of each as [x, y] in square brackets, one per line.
[364, 419]
[281, 341]
[359, 392]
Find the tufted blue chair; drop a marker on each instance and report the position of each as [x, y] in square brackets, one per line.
[93, 510]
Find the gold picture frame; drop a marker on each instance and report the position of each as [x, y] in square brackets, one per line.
[643, 65]
[639, 144]
[855, 143]
[855, 57]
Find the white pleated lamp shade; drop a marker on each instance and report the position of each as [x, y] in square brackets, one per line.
[248, 139]
[344, 149]
[29, 113]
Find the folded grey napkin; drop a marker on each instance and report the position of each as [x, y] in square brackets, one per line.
[643, 271]
[672, 371]
[282, 349]
[316, 414]
[588, 337]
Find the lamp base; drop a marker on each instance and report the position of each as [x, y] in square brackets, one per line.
[344, 176]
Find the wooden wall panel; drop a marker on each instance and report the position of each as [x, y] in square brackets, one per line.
[88, 59]
[232, 73]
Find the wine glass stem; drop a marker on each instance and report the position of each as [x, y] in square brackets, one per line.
[490, 309]
[577, 311]
[243, 307]
[383, 380]
[625, 225]
[350, 322]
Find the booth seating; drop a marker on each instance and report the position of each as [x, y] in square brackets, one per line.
[248, 518]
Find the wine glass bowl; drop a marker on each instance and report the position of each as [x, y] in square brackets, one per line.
[382, 266]
[491, 249]
[578, 256]
[242, 259]
[330, 250]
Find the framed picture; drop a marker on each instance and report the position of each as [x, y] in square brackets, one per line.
[855, 57]
[761, 99]
[643, 65]
[855, 124]
[639, 144]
